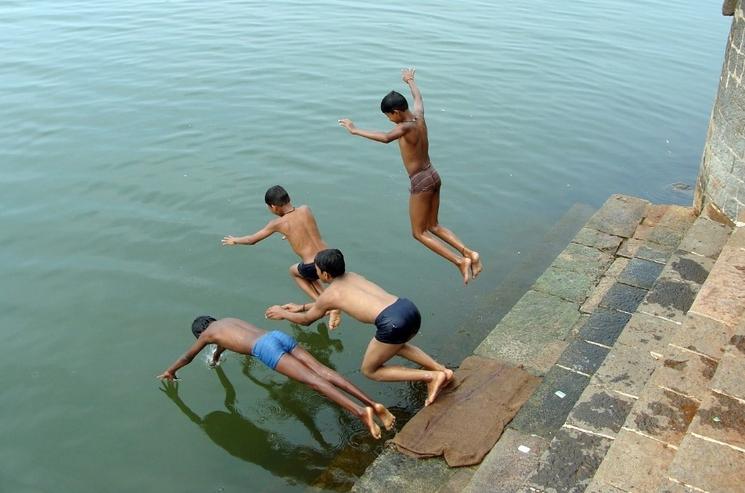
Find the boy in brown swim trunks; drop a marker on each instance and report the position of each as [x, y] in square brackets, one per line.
[397, 321]
[298, 226]
[424, 201]
[281, 353]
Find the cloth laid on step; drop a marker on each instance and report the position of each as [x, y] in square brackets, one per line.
[469, 415]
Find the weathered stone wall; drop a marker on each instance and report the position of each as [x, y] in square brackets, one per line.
[721, 181]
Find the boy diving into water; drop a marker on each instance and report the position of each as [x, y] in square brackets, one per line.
[298, 226]
[424, 201]
[397, 321]
[281, 353]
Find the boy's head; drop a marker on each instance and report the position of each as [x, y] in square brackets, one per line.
[394, 104]
[329, 262]
[200, 324]
[276, 197]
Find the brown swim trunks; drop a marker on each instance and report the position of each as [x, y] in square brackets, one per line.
[426, 180]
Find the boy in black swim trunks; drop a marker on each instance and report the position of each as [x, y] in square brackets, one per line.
[397, 321]
[298, 226]
[281, 353]
[424, 201]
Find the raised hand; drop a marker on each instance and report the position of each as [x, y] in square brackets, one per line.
[407, 74]
[229, 240]
[347, 123]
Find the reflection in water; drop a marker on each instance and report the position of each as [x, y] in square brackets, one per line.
[242, 439]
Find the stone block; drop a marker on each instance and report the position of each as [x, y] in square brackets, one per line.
[662, 414]
[705, 237]
[685, 372]
[623, 297]
[728, 378]
[640, 273]
[545, 411]
[702, 335]
[604, 326]
[653, 214]
[721, 418]
[708, 466]
[568, 285]
[604, 285]
[536, 355]
[506, 468]
[635, 463]
[634, 247]
[722, 297]
[660, 235]
[670, 298]
[583, 259]
[677, 218]
[458, 482]
[597, 239]
[600, 487]
[570, 463]
[600, 410]
[647, 334]
[690, 267]
[583, 357]
[626, 369]
[671, 486]
[393, 471]
[619, 215]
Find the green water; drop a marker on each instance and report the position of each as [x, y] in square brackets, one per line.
[136, 134]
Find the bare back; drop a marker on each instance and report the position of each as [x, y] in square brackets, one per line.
[233, 334]
[414, 145]
[355, 295]
[301, 230]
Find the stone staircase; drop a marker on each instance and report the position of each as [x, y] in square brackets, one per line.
[609, 329]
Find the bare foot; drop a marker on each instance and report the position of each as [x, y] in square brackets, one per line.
[476, 266]
[334, 319]
[384, 415]
[465, 269]
[448, 376]
[434, 387]
[369, 421]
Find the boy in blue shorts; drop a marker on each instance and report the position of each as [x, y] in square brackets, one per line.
[298, 226]
[281, 353]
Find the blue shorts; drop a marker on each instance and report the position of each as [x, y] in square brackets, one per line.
[270, 347]
[398, 322]
[308, 271]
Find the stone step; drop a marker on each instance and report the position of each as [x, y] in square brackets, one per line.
[534, 333]
[611, 358]
[660, 429]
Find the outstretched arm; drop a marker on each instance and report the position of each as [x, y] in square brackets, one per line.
[251, 239]
[299, 314]
[398, 131]
[184, 360]
[407, 74]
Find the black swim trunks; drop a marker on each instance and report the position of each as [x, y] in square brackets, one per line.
[308, 271]
[398, 322]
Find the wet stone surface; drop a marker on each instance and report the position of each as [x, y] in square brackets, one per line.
[583, 357]
[604, 326]
[623, 297]
[634, 247]
[722, 418]
[619, 215]
[598, 239]
[393, 471]
[568, 285]
[545, 411]
[670, 299]
[694, 269]
[583, 259]
[686, 373]
[600, 411]
[570, 462]
[640, 273]
[663, 415]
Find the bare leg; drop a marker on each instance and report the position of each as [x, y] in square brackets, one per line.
[373, 367]
[413, 353]
[313, 289]
[342, 383]
[420, 210]
[449, 237]
[292, 367]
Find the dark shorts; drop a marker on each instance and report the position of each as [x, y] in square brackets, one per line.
[426, 180]
[398, 322]
[308, 271]
[270, 347]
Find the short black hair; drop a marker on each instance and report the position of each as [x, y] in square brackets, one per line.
[330, 261]
[200, 324]
[393, 101]
[276, 196]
